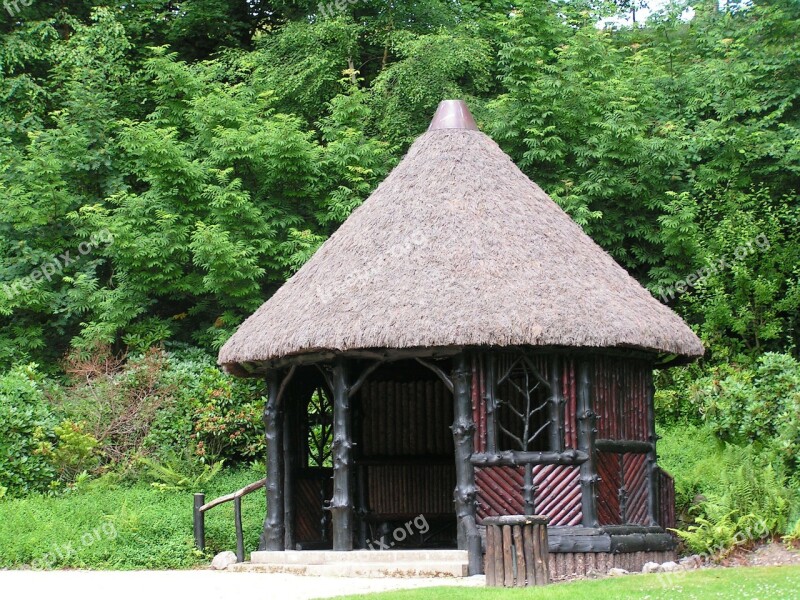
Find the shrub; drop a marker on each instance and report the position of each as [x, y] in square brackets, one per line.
[172, 429]
[758, 405]
[116, 397]
[75, 451]
[217, 415]
[26, 426]
[161, 403]
[228, 418]
[692, 455]
[673, 403]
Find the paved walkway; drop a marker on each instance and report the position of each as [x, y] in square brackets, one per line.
[197, 585]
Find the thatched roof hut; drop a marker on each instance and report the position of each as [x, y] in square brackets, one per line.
[457, 247]
[461, 349]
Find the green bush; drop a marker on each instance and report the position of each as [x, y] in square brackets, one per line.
[159, 404]
[172, 429]
[673, 402]
[759, 405]
[218, 416]
[74, 451]
[26, 428]
[116, 397]
[228, 418]
[692, 455]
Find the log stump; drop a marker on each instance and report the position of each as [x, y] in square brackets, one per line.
[516, 551]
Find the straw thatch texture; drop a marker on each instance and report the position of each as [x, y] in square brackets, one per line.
[458, 247]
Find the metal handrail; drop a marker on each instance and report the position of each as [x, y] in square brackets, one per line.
[200, 508]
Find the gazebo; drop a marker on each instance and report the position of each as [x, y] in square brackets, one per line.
[461, 349]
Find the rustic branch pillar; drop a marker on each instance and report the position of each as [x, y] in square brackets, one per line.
[586, 438]
[273, 537]
[291, 451]
[465, 494]
[653, 508]
[341, 505]
[529, 490]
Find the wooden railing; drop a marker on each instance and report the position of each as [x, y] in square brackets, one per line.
[200, 508]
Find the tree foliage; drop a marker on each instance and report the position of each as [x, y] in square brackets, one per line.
[218, 143]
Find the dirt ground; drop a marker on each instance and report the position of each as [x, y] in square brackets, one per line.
[766, 555]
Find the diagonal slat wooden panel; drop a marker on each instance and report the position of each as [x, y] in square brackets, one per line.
[309, 512]
[558, 493]
[499, 491]
[666, 487]
[609, 471]
[634, 469]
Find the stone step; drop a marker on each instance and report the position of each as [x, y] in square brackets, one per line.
[355, 569]
[325, 557]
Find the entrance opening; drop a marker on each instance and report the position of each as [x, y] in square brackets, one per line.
[404, 457]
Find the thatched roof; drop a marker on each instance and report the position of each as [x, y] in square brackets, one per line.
[457, 247]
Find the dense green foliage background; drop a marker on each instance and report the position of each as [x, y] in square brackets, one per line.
[165, 166]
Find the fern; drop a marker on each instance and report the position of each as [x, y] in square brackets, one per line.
[170, 476]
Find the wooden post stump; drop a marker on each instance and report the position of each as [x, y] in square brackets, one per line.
[517, 551]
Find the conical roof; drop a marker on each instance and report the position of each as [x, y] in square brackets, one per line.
[457, 247]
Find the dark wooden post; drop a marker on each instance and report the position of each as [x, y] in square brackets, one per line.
[465, 494]
[291, 449]
[341, 505]
[274, 526]
[529, 490]
[586, 438]
[653, 509]
[199, 522]
[237, 517]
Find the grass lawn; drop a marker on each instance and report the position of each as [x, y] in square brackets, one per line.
[752, 583]
[123, 527]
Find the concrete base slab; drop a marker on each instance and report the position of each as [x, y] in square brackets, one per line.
[360, 563]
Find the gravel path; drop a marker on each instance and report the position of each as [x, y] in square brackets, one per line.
[197, 585]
